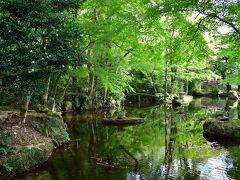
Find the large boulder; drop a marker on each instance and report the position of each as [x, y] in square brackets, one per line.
[28, 149]
[222, 128]
[24, 147]
[51, 125]
[26, 158]
[233, 95]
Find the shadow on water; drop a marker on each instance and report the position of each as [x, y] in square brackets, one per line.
[168, 145]
[222, 142]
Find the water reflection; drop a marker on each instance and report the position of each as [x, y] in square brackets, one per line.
[169, 145]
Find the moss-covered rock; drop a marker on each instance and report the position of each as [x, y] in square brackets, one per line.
[26, 158]
[25, 149]
[50, 125]
[222, 128]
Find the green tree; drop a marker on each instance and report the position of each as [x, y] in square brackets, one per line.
[38, 39]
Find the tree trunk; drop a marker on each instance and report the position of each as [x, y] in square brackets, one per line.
[105, 95]
[174, 88]
[45, 96]
[90, 74]
[56, 86]
[165, 79]
[65, 89]
[91, 94]
[25, 108]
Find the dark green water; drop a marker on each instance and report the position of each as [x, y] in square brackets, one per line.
[169, 145]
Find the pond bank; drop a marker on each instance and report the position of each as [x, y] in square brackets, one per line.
[22, 148]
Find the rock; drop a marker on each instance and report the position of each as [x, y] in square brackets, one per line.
[51, 125]
[23, 148]
[222, 93]
[224, 118]
[222, 128]
[30, 149]
[67, 106]
[26, 158]
[233, 95]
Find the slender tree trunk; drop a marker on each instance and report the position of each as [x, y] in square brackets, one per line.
[56, 86]
[165, 80]
[92, 90]
[105, 95]
[173, 80]
[171, 58]
[65, 89]
[26, 107]
[181, 86]
[45, 96]
[90, 74]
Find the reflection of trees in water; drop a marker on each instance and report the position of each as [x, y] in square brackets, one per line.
[176, 162]
[212, 104]
[170, 131]
[169, 145]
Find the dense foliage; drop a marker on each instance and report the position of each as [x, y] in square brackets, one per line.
[94, 53]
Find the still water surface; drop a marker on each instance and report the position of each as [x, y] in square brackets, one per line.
[168, 145]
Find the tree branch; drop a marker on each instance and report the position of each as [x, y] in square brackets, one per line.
[214, 15]
[198, 25]
[89, 44]
[128, 51]
[229, 23]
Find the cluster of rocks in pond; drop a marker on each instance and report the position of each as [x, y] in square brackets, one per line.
[23, 147]
[224, 125]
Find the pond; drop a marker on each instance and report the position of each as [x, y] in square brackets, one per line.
[169, 145]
